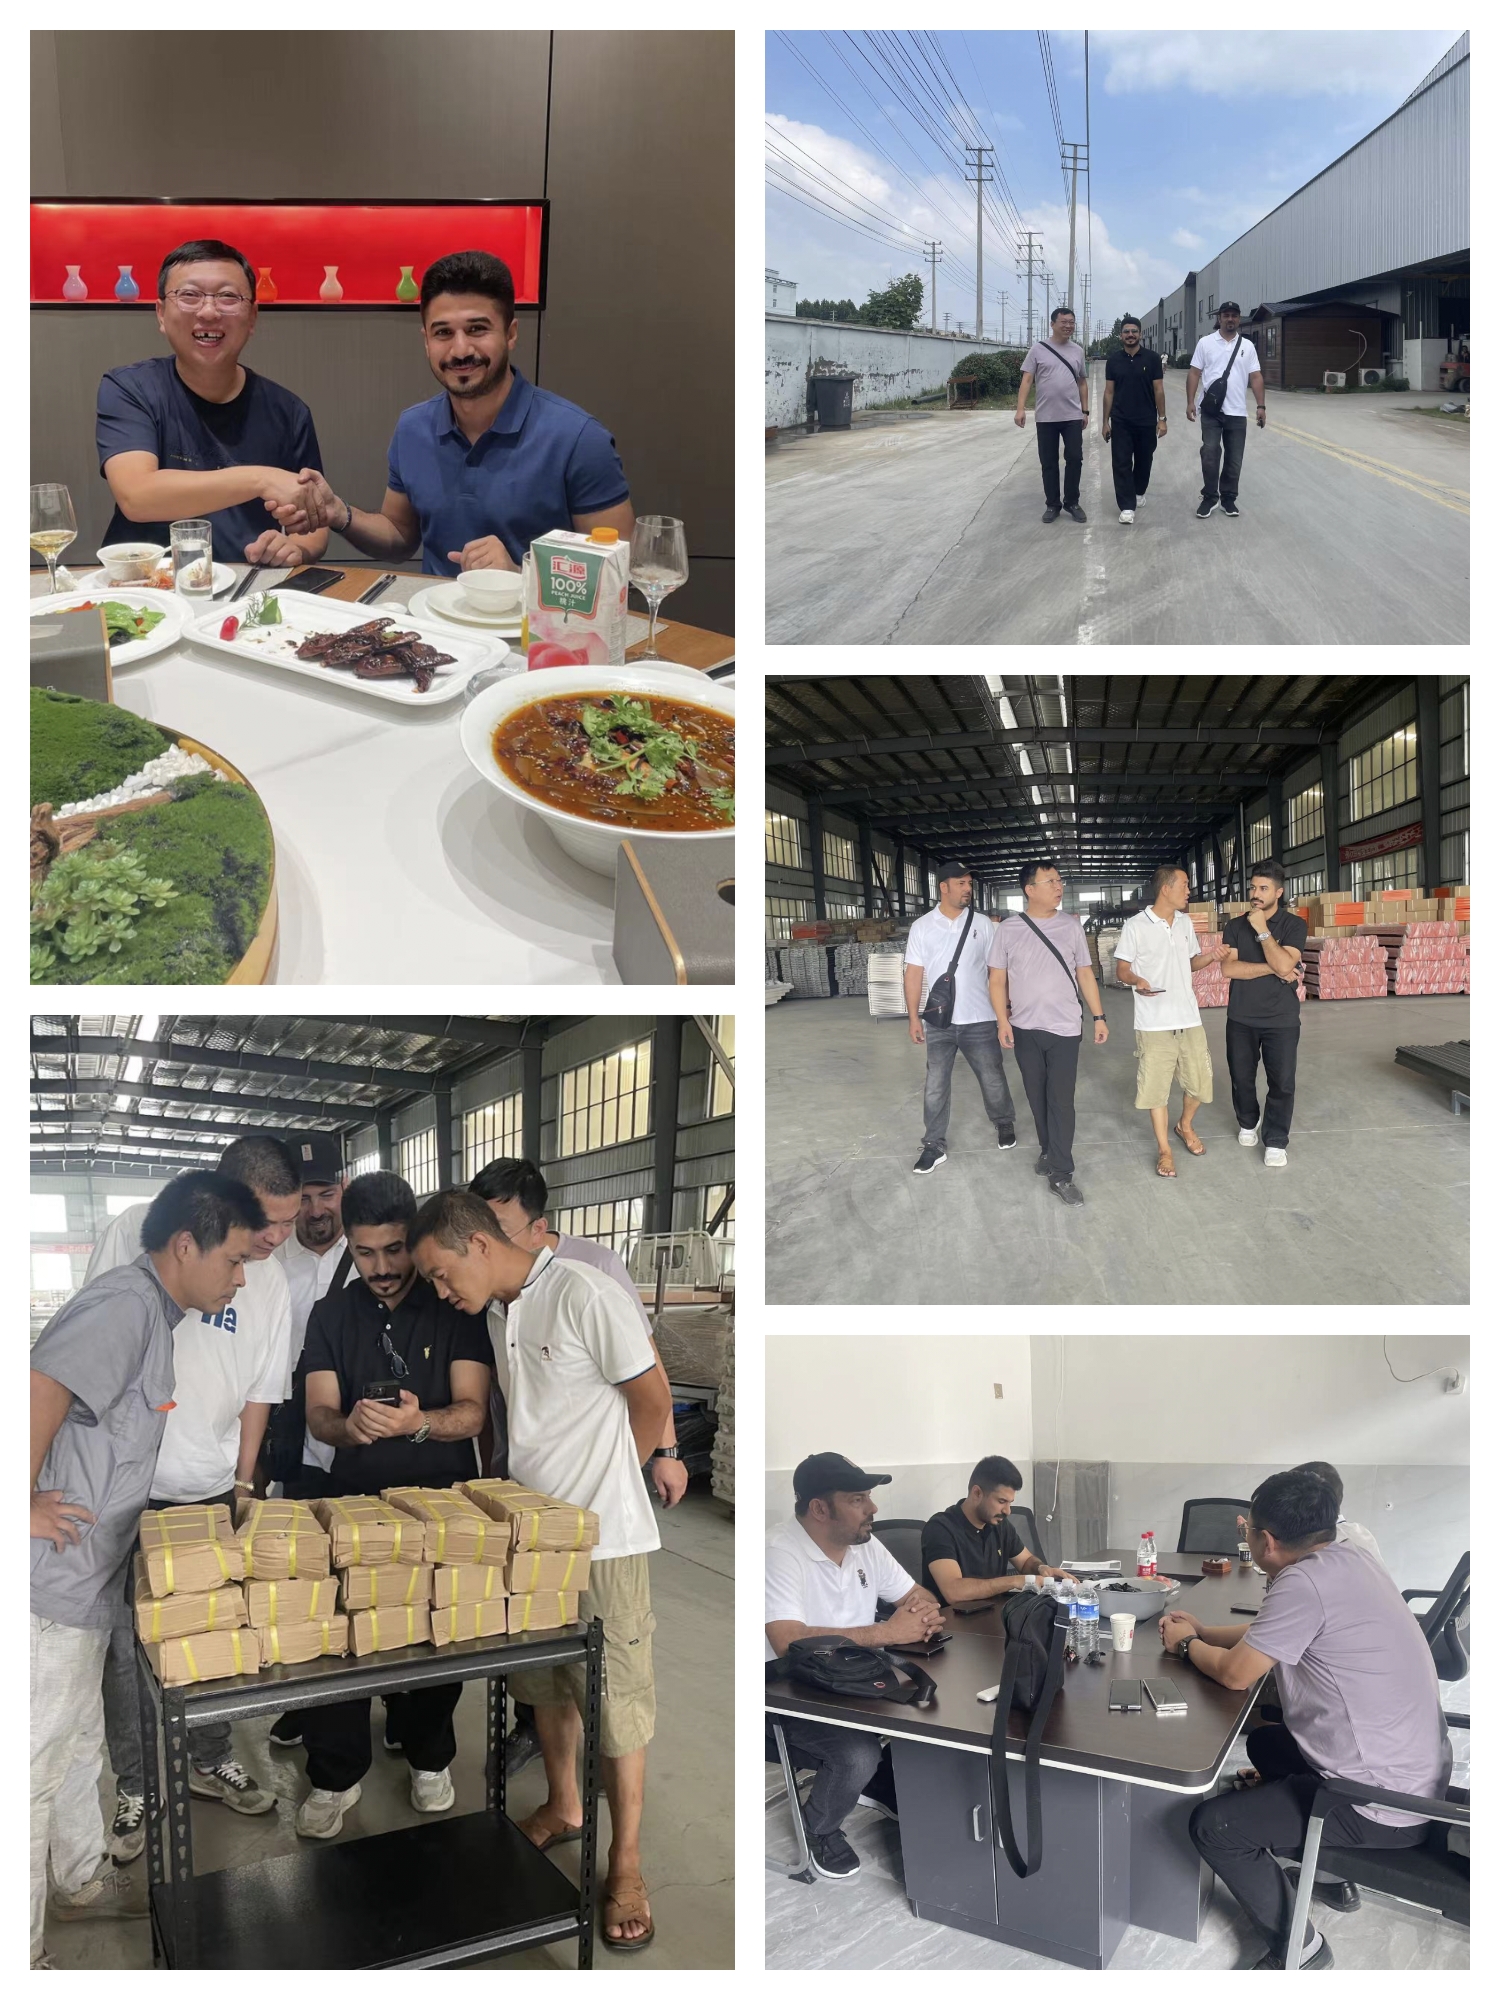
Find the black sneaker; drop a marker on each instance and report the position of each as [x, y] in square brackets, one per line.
[1043, 1164]
[1205, 508]
[1005, 1138]
[286, 1731]
[1066, 1193]
[522, 1747]
[1228, 507]
[127, 1837]
[833, 1856]
[1051, 514]
[930, 1157]
[1275, 1961]
[1076, 513]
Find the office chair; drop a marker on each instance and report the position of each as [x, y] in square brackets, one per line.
[903, 1540]
[1024, 1521]
[800, 1870]
[1445, 1624]
[1434, 1874]
[1211, 1527]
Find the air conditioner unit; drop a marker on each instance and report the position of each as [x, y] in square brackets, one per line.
[1332, 379]
[1371, 378]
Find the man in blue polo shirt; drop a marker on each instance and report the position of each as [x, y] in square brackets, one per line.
[477, 473]
[194, 435]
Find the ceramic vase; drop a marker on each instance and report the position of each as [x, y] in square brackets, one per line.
[126, 287]
[331, 289]
[265, 288]
[408, 289]
[73, 285]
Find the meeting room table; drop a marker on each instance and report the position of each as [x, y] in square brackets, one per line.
[395, 861]
[1117, 1789]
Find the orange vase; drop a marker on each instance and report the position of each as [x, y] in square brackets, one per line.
[265, 290]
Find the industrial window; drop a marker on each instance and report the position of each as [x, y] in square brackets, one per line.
[1268, 335]
[783, 840]
[913, 883]
[616, 1223]
[605, 1102]
[1453, 730]
[838, 857]
[492, 1132]
[720, 1089]
[116, 1204]
[1260, 840]
[1310, 884]
[367, 1163]
[417, 1162]
[51, 1279]
[1304, 817]
[49, 1215]
[712, 1199]
[931, 886]
[840, 906]
[1383, 776]
[1387, 871]
[781, 913]
[1455, 857]
[1229, 847]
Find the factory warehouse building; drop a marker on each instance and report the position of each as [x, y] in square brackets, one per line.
[1365, 270]
[396, 1355]
[1285, 858]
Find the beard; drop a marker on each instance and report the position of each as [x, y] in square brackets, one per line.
[316, 1232]
[480, 384]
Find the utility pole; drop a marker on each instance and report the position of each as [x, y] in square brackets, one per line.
[1004, 302]
[983, 164]
[1085, 322]
[1079, 154]
[945, 323]
[1030, 237]
[1047, 281]
[934, 257]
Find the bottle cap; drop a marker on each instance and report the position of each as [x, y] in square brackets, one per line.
[604, 534]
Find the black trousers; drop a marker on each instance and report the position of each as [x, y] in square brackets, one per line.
[1131, 450]
[844, 1760]
[1049, 1071]
[311, 1483]
[1246, 1045]
[1070, 437]
[1228, 433]
[337, 1739]
[1239, 1833]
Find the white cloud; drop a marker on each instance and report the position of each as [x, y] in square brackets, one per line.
[1186, 240]
[1314, 62]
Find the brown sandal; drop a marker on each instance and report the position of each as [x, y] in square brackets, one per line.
[1197, 1150]
[1167, 1172]
[621, 1905]
[554, 1836]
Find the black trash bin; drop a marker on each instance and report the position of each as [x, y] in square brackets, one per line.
[833, 400]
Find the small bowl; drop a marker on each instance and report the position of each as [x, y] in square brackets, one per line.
[596, 846]
[1144, 1597]
[491, 589]
[130, 562]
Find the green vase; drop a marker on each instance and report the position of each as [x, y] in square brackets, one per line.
[408, 289]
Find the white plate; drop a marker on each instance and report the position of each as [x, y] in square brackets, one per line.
[302, 614]
[96, 579]
[447, 601]
[173, 609]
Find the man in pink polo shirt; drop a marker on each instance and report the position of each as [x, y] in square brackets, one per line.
[1059, 368]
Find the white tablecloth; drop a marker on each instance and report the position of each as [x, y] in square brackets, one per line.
[395, 861]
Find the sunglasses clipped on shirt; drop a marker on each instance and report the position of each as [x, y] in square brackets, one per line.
[398, 1365]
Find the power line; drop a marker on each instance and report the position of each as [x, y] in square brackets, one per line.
[854, 196]
[818, 208]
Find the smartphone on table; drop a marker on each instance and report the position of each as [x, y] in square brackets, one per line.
[1124, 1697]
[314, 579]
[1165, 1697]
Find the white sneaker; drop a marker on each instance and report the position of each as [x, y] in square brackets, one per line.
[1275, 1156]
[431, 1791]
[1127, 514]
[1140, 499]
[111, 1893]
[231, 1783]
[1251, 1137]
[321, 1814]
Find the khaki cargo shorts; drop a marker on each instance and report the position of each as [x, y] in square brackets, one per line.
[1164, 1056]
[619, 1593]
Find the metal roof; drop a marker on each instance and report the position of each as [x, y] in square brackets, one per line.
[1111, 774]
[137, 1093]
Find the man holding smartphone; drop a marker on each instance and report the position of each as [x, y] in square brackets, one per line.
[398, 1383]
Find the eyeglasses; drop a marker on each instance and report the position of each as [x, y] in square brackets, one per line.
[398, 1366]
[227, 302]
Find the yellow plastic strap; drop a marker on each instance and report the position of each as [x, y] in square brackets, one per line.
[272, 1590]
[489, 1583]
[213, 1598]
[411, 1619]
[356, 1527]
[167, 1552]
[291, 1566]
[192, 1664]
[223, 1562]
[275, 1638]
[526, 1614]
[411, 1586]
[568, 1572]
[442, 1539]
[396, 1551]
[375, 1627]
[562, 1608]
[326, 1647]
[155, 1620]
[581, 1530]
[239, 1653]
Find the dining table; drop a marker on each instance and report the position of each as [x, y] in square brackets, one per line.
[395, 861]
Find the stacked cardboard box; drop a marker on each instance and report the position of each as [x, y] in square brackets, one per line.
[369, 1586]
[296, 1618]
[366, 1531]
[206, 1656]
[384, 1585]
[455, 1529]
[550, 1562]
[541, 1522]
[189, 1549]
[1344, 968]
[282, 1539]
[383, 1628]
[311, 1639]
[541, 1610]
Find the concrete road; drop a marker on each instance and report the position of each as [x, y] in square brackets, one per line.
[1353, 530]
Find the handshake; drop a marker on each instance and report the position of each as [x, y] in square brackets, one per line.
[302, 502]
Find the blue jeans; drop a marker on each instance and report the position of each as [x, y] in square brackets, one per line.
[979, 1042]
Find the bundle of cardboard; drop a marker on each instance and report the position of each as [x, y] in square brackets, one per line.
[296, 1618]
[539, 1520]
[364, 1530]
[455, 1530]
[186, 1550]
[282, 1539]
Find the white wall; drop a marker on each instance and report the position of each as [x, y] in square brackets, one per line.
[886, 364]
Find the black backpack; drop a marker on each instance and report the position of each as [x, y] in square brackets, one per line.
[860, 1673]
[1036, 1633]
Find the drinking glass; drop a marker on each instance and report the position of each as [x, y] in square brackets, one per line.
[53, 525]
[193, 558]
[658, 565]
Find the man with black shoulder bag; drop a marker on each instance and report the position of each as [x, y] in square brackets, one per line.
[1223, 367]
[948, 951]
[1041, 984]
[1059, 368]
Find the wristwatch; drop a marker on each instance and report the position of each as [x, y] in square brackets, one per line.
[1181, 1648]
[1098, 1017]
[421, 1436]
[667, 1451]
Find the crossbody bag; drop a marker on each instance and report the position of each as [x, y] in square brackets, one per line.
[1072, 975]
[942, 995]
[1211, 403]
[1079, 375]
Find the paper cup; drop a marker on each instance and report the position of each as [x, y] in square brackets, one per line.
[1122, 1630]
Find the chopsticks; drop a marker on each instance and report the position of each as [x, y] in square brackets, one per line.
[381, 583]
[245, 582]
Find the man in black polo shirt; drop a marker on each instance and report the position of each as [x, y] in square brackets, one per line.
[390, 1327]
[1135, 415]
[970, 1551]
[1265, 1015]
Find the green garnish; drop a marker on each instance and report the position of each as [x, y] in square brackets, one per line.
[722, 802]
[264, 608]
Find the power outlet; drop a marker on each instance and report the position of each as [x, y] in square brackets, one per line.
[999, 1393]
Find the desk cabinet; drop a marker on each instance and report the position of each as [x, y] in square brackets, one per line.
[947, 1839]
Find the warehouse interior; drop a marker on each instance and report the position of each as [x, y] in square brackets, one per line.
[1357, 785]
[631, 1118]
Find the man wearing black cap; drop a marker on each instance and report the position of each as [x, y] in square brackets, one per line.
[956, 934]
[316, 1258]
[824, 1577]
[1225, 355]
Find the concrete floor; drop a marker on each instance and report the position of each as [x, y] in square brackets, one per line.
[1353, 529]
[1372, 1208]
[867, 1925]
[688, 1842]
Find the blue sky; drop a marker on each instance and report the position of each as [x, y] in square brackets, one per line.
[1194, 137]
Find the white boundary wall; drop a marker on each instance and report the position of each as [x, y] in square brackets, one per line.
[885, 364]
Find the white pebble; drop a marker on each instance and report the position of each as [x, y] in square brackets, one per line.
[152, 777]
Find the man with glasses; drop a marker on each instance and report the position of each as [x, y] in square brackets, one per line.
[1059, 367]
[392, 1328]
[1225, 356]
[194, 434]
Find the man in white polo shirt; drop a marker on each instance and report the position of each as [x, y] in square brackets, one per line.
[825, 1575]
[955, 935]
[1157, 956]
[1225, 355]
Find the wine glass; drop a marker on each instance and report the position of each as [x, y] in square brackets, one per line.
[54, 526]
[658, 565]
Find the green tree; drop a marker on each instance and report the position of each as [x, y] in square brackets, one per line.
[899, 305]
[842, 309]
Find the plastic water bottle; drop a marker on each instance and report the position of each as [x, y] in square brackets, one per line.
[1088, 1609]
[1145, 1554]
[1075, 1622]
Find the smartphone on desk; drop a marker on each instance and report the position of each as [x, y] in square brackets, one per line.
[313, 579]
[972, 1610]
[1165, 1697]
[1124, 1697]
[921, 1647]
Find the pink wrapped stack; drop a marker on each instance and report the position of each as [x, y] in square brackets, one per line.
[1211, 988]
[1427, 957]
[1351, 968]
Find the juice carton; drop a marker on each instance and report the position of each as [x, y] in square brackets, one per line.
[575, 599]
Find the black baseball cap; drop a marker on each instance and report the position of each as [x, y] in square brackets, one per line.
[319, 1155]
[948, 869]
[1226, 306]
[830, 1472]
